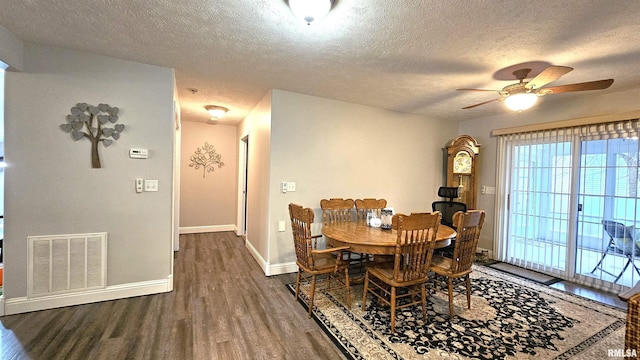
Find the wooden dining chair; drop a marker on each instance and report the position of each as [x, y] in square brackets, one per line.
[414, 249]
[364, 206]
[313, 262]
[448, 208]
[336, 210]
[468, 225]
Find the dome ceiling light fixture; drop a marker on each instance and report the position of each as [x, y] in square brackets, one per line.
[216, 111]
[310, 10]
[520, 101]
[524, 94]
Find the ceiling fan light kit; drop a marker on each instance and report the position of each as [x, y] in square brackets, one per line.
[523, 95]
[521, 101]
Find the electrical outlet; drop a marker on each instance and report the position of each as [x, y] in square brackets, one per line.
[139, 185]
[284, 187]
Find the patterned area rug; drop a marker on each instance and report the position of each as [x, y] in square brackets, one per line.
[510, 318]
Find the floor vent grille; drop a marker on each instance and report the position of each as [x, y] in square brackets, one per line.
[61, 264]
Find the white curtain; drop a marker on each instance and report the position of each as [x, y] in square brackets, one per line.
[554, 189]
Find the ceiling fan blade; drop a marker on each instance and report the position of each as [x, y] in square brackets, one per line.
[590, 85]
[477, 90]
[552, 73]
[482, 103]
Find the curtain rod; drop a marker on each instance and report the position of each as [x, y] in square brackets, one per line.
[598, 119]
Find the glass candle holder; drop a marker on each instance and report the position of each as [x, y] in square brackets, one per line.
[386, 215]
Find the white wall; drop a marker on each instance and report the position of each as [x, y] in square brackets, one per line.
[50, 185]
[336, 149]
[11, 49]
[257, 126]
[549, 108]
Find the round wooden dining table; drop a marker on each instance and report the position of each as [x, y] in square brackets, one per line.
[370, 240]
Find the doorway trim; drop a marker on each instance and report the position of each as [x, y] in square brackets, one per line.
[243, 186]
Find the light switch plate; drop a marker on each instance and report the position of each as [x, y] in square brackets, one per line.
[151, 185]
[139, 185]
[291, 186]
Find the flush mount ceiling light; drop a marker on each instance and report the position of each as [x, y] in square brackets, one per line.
[216, 112]
[521, 101]
[310, 10]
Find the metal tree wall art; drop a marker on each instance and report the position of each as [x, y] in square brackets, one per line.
[206, 157]
[86, 121]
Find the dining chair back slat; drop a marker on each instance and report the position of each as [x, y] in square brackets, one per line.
[364, 206]
[415, 245]
[337, 210]
[301, 220]
[315, 262]
[468, 225]
[415, 242]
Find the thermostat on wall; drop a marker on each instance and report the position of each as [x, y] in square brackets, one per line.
[138, 153]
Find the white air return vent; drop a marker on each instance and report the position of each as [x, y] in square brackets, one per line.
[61, 264]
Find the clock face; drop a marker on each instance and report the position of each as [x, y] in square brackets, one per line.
[462, 163]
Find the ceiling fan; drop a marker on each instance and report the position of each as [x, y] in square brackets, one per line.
[523, 95]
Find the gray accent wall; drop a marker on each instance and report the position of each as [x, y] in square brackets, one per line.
[50, 185]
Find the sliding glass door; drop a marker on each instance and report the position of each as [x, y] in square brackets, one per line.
[539, 205]
[570, 206]
[608, 198]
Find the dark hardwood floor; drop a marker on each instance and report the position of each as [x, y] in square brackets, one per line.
[589, 293]
[222, 307]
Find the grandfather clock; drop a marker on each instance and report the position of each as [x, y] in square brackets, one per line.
[462, 167]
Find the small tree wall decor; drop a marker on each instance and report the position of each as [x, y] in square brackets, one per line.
[80, 124]
[206, 157]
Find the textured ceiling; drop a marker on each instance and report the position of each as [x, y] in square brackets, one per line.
[403, 55]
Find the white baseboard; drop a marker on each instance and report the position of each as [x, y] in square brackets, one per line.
[169, 283]
[285, 268]
[206, 229]
[271, 269]
[21, 305]
[256, 255]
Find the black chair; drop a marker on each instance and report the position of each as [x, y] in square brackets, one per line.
[448, 207]
[621, 241]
